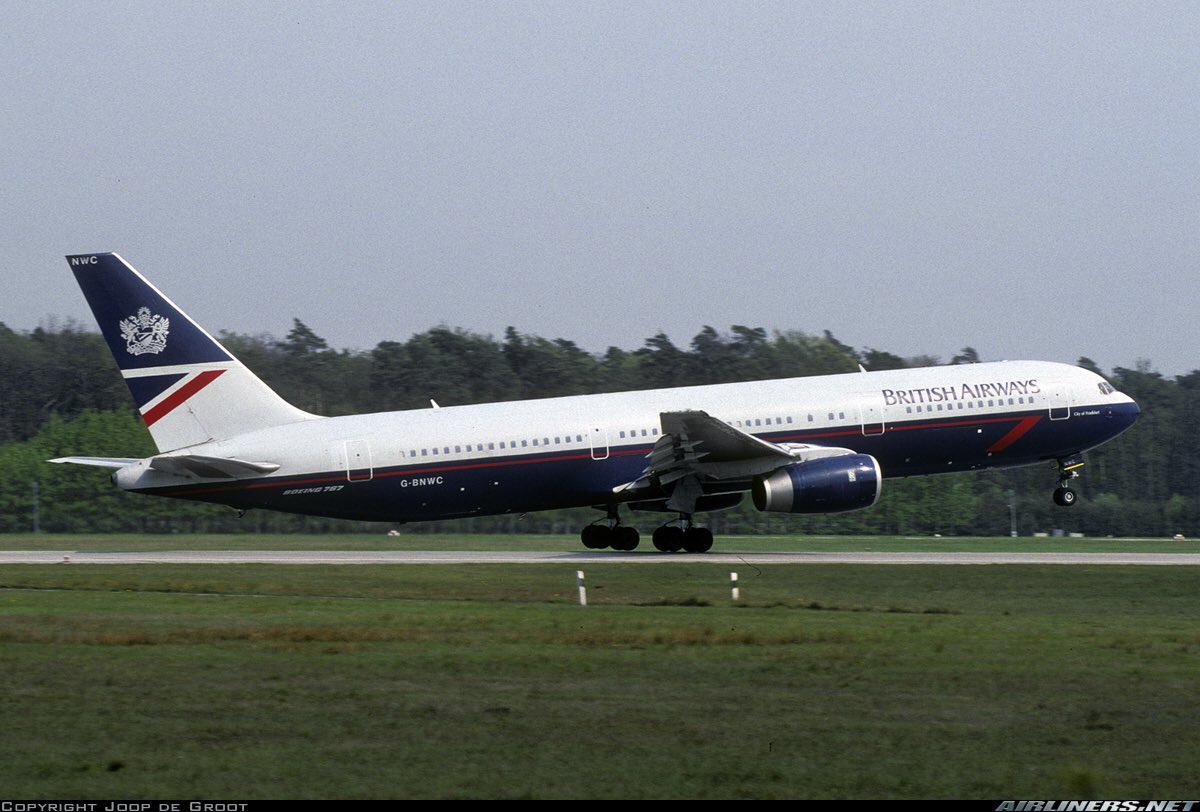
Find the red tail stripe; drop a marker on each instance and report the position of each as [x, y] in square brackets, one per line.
[169, 404]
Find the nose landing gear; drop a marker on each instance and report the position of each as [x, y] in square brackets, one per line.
[1068, 469]
[1064, 496]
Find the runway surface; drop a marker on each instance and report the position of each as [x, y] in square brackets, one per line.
[579, 558]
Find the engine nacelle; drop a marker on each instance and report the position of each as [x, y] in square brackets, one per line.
[826, 485]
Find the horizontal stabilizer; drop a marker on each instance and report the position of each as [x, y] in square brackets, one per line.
[210, 467]
[102, 462]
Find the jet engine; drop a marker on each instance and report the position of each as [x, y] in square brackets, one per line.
[826, 485]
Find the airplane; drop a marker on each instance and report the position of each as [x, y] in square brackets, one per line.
[799, 445]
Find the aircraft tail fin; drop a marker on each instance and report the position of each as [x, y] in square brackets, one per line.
[188, 387]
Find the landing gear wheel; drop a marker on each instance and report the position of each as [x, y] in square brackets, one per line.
[1065, 497]
[668, 538]
[625, 538]
[697, 540]
[1068, 469]
[596, 537]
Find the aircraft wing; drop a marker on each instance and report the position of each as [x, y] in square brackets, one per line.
[696, 446]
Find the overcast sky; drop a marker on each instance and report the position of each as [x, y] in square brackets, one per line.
[913, 177]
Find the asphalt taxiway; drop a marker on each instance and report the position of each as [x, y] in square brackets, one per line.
[580, 557]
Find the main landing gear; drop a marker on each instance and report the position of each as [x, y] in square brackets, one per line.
[619, 537]
[610, 532]
[682, 535]
[1068, 469]
[670, 538]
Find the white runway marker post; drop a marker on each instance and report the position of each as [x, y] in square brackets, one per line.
[582, 588]
[733, 587]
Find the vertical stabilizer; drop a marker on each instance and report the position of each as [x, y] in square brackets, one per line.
[188, 387]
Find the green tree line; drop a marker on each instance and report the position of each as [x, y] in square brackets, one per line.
[61, 394]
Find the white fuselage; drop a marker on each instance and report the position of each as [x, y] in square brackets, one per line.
[538, 454]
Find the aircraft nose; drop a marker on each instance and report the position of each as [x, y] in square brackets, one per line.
[1127, 413]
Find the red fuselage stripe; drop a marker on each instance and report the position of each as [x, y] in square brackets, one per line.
[180, 395]
[1018, 431]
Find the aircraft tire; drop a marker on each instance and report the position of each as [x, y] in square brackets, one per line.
[698, 540]
[596, 537]
[1065, 497]
[625, 538]
[668, 539]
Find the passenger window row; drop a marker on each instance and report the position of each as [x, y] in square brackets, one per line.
[757, 422]
[969, 404]
[502, 445]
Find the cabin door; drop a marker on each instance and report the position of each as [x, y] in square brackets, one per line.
[599, 438]
[358, 461]
[1060, 402]
[870, 414]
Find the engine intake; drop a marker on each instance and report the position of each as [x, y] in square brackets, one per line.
[827, 485]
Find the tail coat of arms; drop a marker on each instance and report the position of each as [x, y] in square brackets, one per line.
[145, 333]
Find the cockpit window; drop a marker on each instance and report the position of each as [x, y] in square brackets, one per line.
[1106, 388]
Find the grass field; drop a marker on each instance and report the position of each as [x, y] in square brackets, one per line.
[259, 681]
